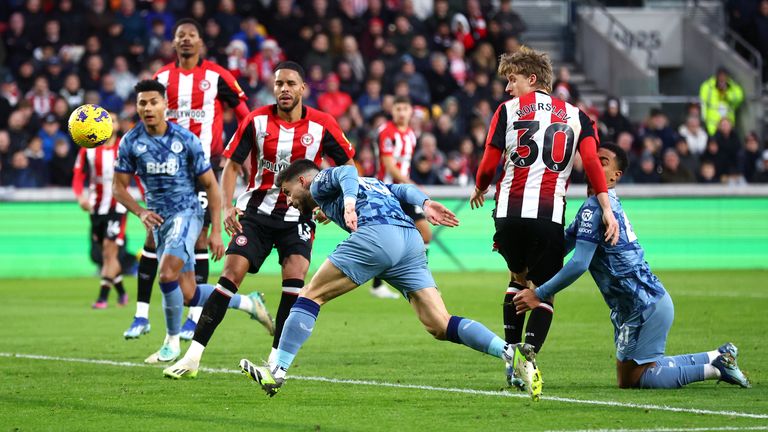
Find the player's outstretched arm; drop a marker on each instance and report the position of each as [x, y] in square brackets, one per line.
[528, 299]
[438, 214]
[120, 184]
[215, 243]
[231, 213]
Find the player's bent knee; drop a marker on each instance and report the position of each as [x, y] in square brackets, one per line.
[168, 275]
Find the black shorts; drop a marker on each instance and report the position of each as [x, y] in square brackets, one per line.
[110, 226]
[414, 212]
[202, 195]
[533, 244]
[261, 233]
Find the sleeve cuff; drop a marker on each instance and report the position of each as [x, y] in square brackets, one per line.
[350, 199]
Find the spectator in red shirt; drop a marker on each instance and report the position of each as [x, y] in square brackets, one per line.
[333, 101]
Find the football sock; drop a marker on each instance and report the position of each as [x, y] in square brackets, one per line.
[142, 310]
[195, 351]
[538, 324]
[474, 335]
[671, 377]
[203, 293]
[291, 288]
[194, 313]
[214, 310]
[298, 327]
[173, 305]
[118, 283]
[146, 276]
[106, 284]
[712, 355]
[201, 266]
[513, 323]
[685, 360]
[376, 282]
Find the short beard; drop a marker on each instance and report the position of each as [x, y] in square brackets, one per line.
[186, 55]
[287, 110]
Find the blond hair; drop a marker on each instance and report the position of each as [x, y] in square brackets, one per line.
[527, 61]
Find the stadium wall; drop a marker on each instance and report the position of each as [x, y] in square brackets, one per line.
[51, 239]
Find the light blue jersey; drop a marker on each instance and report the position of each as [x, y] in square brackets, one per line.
[386, 243]
[620, 272]
[168, 167]
[641, 310]
[376, 203]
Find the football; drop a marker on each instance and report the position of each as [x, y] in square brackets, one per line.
[90, 126]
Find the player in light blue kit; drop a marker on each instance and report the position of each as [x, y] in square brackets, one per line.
[384, 242]
[641, 309]
[169, 159]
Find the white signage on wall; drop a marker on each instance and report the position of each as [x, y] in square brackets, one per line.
[659, 31]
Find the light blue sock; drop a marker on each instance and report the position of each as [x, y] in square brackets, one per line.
[685, 360]
[296, 330]
[173, 305]
[662, 377]
[474, 335]
[203, 291]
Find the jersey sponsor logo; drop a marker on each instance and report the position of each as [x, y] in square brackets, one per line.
[192, 114]
[241, 240]
[282, 162]
[307, 140]
[141, 148]
[170, 167]
[176, 147]
[204, 85]
[586, 215]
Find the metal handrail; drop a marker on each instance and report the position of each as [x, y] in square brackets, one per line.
[623, 35]
[729, 36]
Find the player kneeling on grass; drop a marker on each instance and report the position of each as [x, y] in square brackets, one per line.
[169, 159]
[384, 242]
[641, 309]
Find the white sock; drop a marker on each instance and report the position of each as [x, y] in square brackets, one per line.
[194, 313]
[713, 355]
[278, 372]
[711, 372]
[272, 358]
[195, 351]
[173, 341]
[246, 304]
[142, 310]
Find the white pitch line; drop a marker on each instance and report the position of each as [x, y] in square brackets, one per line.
[423, 387]
[701, 429]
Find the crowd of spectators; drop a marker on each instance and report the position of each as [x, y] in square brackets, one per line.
[359, 55]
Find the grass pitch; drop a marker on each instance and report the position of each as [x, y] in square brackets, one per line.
[381, 349]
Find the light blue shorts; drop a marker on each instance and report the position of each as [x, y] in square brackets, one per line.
[644, 340]
[393, 253]
[177, 236]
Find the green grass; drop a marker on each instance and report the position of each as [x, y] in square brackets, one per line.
[361, 338]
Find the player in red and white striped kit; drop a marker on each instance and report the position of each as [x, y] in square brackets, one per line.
[273, 136]
[395, 149]
[197, 91]
[538, 136]
[107, 215]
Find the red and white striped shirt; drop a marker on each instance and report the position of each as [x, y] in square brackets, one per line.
[538, 136]
[399, 145]
[195, 97]
[99, 164]
[276, 143]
